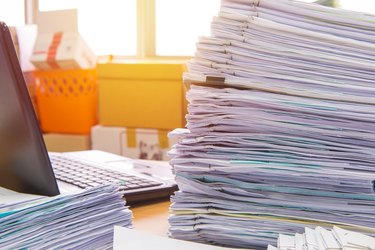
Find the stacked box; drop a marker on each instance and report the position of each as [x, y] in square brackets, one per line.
[65, 82]
[142, 94]
[59, 45]
[63, 143]
[149, 144]
[139, 103]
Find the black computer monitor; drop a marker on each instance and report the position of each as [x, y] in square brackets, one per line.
[24, 162]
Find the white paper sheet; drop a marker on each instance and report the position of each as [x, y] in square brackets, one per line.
[132, 239]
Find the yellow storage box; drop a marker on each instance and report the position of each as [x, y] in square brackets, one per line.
[142, 94]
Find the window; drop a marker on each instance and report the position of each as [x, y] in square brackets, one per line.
[358, 5]
[148, 28]
[108, 26]
[179, 23]
[140, 28]
[12, 12]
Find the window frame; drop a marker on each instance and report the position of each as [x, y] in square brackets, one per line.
[146, 30]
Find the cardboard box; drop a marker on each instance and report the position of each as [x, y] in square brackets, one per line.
[151, 144]
[59, 45]
[142, 94]
[66, 143]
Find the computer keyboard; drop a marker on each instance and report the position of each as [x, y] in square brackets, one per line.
[84, 175]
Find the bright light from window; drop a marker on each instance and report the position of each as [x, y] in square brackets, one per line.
[108, 26]
[47, 5]
[12, 12]
[179, 23]
[359, 5]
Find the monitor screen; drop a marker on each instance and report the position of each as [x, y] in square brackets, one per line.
[24, 162]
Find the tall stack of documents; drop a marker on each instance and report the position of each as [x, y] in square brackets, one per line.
[78, 221]
[281, 125]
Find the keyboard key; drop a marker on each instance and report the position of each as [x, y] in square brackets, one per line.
[85, 176]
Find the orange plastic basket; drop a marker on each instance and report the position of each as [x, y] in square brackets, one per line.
[67, 100]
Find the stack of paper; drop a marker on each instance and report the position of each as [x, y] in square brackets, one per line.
[78, 221]
[323, 239]
[280, 131]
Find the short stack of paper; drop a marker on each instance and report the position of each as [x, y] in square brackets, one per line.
[78, 221]
[324, 239]
[281, 131]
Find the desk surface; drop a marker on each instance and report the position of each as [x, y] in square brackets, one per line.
[152, 218]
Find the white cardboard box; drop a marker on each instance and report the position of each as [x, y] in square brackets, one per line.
[66, 142]
[59, 45]
[151, 144]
